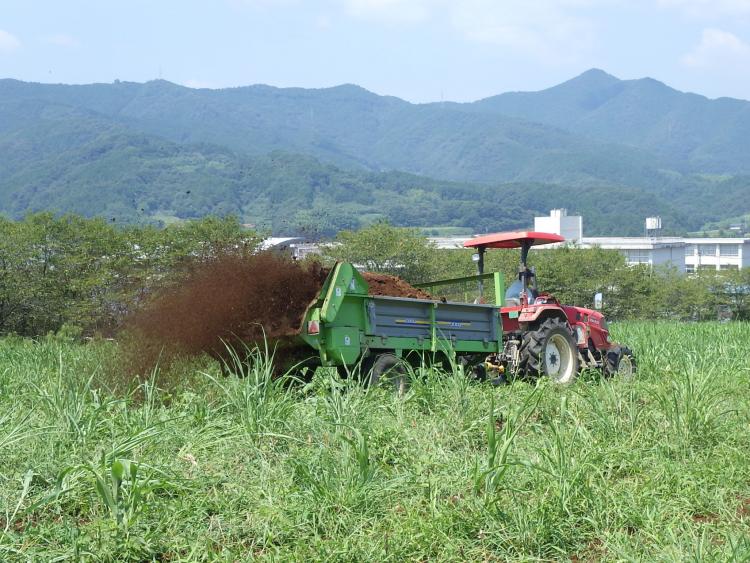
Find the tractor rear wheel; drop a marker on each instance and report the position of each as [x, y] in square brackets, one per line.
[549, 351]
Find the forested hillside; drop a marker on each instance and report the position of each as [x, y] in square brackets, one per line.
[316, 161]
[688, 132]
[349, 126]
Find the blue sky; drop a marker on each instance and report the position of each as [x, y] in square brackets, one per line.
[419, 50]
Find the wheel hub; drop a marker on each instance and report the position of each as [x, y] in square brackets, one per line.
[558, 358]
[552, 357]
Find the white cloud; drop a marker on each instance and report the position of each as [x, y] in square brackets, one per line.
[709, 8]
[61, 40]
[8, 42]
[323, 22]
[393, 11]
[262, 4]
[719, 50]
[549, 30]
[552, 31]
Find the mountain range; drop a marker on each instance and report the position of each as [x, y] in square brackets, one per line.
[319, 160]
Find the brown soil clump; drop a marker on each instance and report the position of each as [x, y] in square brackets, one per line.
[235, 301]
[392, 286]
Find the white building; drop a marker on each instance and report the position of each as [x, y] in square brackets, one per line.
[559, 222]
[296, 247]
[279, 244]
[643, 250]
[449, 243]
[716, 253]
[305, 249]
[684, 253]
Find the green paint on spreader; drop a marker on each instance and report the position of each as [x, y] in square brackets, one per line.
[344, 322]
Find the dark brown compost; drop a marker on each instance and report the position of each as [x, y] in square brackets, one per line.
[233, 300]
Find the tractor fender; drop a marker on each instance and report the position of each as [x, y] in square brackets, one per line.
[538, 313]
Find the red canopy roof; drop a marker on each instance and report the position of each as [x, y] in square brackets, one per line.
[513, 239]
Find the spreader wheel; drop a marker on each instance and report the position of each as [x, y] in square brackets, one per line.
[549, 351]
[386, 367]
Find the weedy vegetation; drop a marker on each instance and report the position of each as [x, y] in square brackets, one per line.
[236, 464]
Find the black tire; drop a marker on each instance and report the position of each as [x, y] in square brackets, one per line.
[549, 351]
[386, 368]
[620, 362]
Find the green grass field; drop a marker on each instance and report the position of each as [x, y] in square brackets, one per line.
[226, 469]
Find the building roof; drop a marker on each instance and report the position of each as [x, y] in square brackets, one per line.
[635, 243]
[275, 242]
[716, 240]
[657, 242]
[447, 242]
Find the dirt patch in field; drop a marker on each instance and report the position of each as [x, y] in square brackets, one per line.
[743, 511]
[701, 518]
[233, 300]
[595, 551]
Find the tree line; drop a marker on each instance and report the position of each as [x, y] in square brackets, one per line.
[573, 275]
[83, 275]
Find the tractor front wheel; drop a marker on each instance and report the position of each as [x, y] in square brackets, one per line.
[549, 351]
[620, 362]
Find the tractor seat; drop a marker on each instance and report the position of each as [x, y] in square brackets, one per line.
[513, 294]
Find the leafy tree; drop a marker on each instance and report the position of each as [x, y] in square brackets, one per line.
[732, 290]
[386, 249]
[89, 272]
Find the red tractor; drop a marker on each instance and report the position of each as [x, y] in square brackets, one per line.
[542, 336]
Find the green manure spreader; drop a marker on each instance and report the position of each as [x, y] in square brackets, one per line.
[349, 328]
